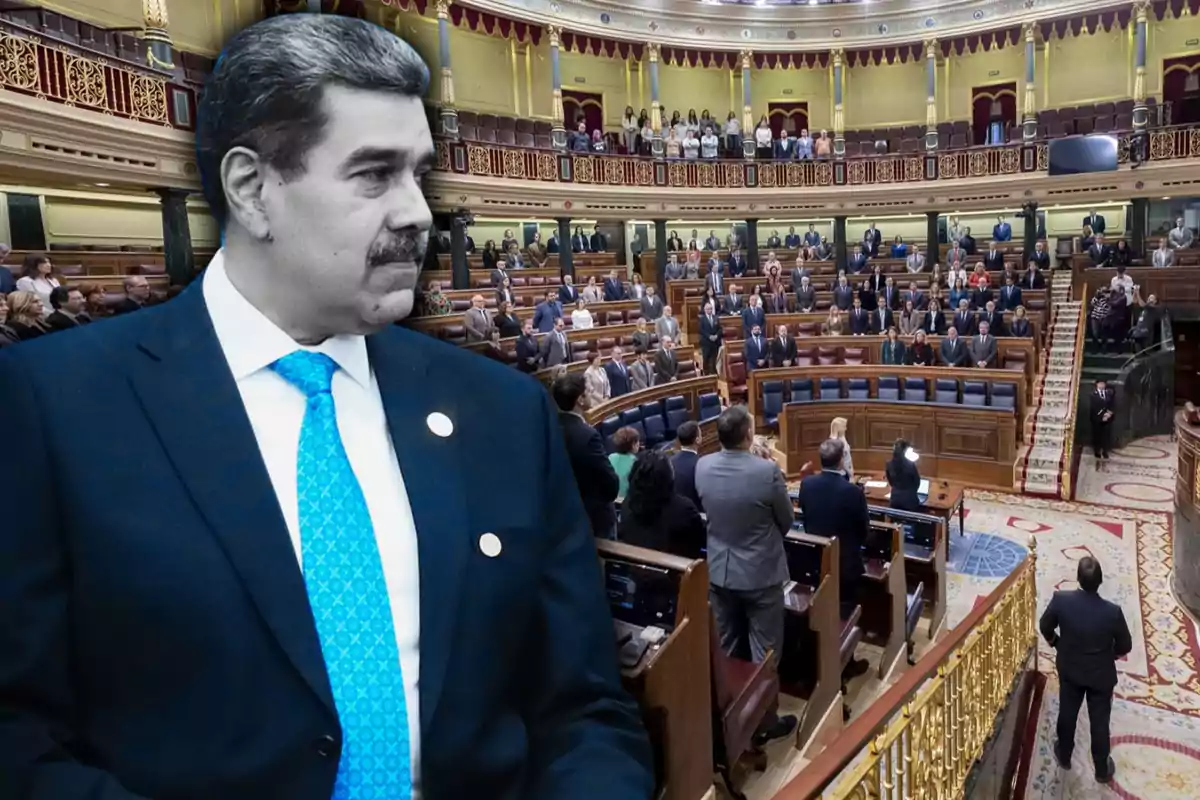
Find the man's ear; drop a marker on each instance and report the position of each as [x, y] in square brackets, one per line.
[242, 178]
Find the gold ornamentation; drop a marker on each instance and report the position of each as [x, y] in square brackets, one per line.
[914, 169]
[443, 9]
[1139, 84]
[706, 175]
[1162, 145]
[838, 122]
[823, 174]
[643, 173]
[746, 57]
[18, 62]
[837, 58]
[747, 121]
[652, 52]
[85, 82]
[977, 164]
[556, 108]
[614, 171]
[1043, 157]
[441, 151]
[931, 48]
[766, 176]
[447, 88]
[514, 163]
[734, 177]
[1029, 30]
[148, 98]
[547, 166]
[856, 172]
[585, 172]
[884, 170]
[677, 173]
[1141, 10]
[947, 165]
[1193, 143]
[1010, 161]
[555, 35]
[656, 117]
[154, 14]
[795, 174]
[478, 162]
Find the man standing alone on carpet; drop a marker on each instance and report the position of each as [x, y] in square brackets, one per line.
[1088, 634]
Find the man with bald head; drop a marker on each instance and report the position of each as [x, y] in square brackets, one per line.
[137, 294]
[478, 321]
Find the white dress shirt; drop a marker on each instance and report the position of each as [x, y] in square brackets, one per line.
[276, 408]
[42, 287]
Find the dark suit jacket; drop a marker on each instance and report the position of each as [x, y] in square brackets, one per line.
[995, 322]
[781, 351]
[756, 352]
[1088, 634]
[8, 284]
[980, 351]
[920, 355]
[737, 265]
[544, 315]
[1098, 405]
[993, 261]
[965, 324]
[567, 295]
[579, 244]
[905, 480]
[857, 265]
[860, 321]
[980, 298]
[707, 331]
[651, 307]
[127, 306]
[1009, 297]
[552, 244]
[954, 354]
[1096, 221]
[594, 474]
[806, 299]
[684, 464]
[881, 326]
[1101, 255]
[934, 323]
[752, 317]
[734, 303]
[527, 353]
[1042, 259]
[834, 507]
[676, 528]
[666, 366]
[618, 379]
[233, 700]
[498, 276]
[843, 298]
[613, 290]
[598, 243]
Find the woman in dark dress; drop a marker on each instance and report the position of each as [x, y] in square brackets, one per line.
[904, 478]
[1122, 255]
[654, 516]
[489, 254]
[507, 323]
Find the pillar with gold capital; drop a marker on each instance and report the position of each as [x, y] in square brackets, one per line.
[839, 138]
[1141, 115]
[156, 32]
[449, 114]
[931, 119]
[747, 111]
[558, 133]
[656, 116]
[1029, 113]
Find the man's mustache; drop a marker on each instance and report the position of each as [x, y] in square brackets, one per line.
[402, 250]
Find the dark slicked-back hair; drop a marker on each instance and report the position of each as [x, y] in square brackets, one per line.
[265, 92]
[1089, 574]
[733, 427]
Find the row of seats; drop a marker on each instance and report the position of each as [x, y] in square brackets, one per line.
[775, 394]
[856, 356]
[657, 421]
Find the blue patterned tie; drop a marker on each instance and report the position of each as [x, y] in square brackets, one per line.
[348, 596]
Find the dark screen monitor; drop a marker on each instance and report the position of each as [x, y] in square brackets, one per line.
[804, 561]
[1078, 155]
[640, 594]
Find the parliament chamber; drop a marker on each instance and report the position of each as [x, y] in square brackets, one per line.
[871, 223]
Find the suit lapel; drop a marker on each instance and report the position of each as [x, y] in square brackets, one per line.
[192, 401]
[433, 479]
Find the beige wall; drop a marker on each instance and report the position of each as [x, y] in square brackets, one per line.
[1088, 68]
[961, 74]
[885, 95]
[605, 76]
[811, 85]
[684, 88]
[96, 218]
[200, 26]
[1164, 40]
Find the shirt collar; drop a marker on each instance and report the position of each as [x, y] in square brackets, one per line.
[252, 342]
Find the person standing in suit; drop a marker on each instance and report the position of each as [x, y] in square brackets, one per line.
[792, 240]
[651, 305]
[68, 311]
[953, 351]
[1041, 258]
[981, 352]
[667, 325]
[555, 348]
[594, 474]
[835, 508]
[1100, 253]
[749, 513]
[641, 372]
[753, 314]
[614, 289]
[1102, 407]
[871, 239]
[782, 348]
[567, 293]
[1094, 221]
[993, 318]
[737, 263]
[712, 336]
[685, 460]
[915, 262]
[806, 297]
[528, 354]
[293, 442]
[843, 294]
[1010, 295]
[934, 323]
[579, 242]
[904, 478]
[734, 302]
[478, 322]
[757, 354]
[1089, 635]
[666, 365]
[882, 319]
[552, 245]
[993, 259]
[964, 320]
[599, 242]
[618, 373]
[1002, 231]
[860, 320]
[856, 263]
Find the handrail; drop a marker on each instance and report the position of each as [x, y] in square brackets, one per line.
[869, 726]
[1166, 341]
[1070, 461]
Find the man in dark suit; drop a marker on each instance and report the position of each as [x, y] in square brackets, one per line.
[993, 259]
[1010, 295]
[594, 474]
[715, 279]
[952, 350]
[782, 348]
[757, 350]
[1002, 231]
[555, 347]
[618, 373]
[137, 294]
[651, 305]
[871, 239]
[291, 441]
[1040, 257]
[712, 243]
[1089, 635]
[860, 320]
[888, 294]
[674, 243]
[856, 262]
[806, 296]
[579, 242]
[834, 507]
[68, 304]
[981, 295]
[1094, 221]
[500, 272]
[882, 318]
[1101, 407]
[614, 289]
[734, 302]
[737, 263]
[1033, 277]
[792, 240]
[552, 245]
[567, 293]
[528, 356]
[712, 335]
[843, 294]
[994, 319]
[964, 320]
[666, 365]
[967, 242]
[684, 461]
[749, 513]
[1100, 253]
[753, 314]
[920, 300]
[599, 242]
[981, 351]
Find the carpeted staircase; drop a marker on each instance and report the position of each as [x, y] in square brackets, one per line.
[1044, 460]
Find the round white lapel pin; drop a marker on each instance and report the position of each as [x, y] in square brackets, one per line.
[439, 424]
[489, 545]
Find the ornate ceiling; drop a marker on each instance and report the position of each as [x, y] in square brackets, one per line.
[787, 25]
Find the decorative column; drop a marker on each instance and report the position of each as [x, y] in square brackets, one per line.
[839, 138]
[752, 244]
[460, 272]
[449, 114]
[177, 236]
[932, 247]
[931, 117]
[1030, 215]
[1138, 221]
[747, 112]
[839, 238]
[1141, 116]
[155, 25]
[656, 120]
[660, 258]
[1029, 118]
[558, 134]
[565, 260]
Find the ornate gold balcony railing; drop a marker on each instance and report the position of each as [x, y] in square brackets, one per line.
[509, 162]
[63, 73]
[922, 737]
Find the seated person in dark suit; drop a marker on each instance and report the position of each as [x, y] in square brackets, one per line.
[137, 294]
[834, 507]
[68, 306]
[598, 482]
[1093, 635]
[684, 461]
[654, 515]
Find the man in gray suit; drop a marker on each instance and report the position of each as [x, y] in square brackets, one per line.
[652, 306]
[667, 326]
[555, 349]
[478, 322]
[641, 373]
[982, 349]
[749, 513]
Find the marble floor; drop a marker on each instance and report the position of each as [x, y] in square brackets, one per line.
[1123, 517]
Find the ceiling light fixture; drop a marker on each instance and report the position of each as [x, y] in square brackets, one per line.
[102, 184]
